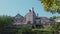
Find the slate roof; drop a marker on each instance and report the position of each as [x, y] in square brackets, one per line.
[18, 17]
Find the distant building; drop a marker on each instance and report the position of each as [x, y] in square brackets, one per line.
[57, 20]
[30, 19]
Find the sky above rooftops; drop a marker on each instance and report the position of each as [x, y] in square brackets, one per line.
[13, 7]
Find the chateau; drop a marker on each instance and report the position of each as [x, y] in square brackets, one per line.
[30, 19]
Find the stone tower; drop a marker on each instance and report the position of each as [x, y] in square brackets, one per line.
[30, 16]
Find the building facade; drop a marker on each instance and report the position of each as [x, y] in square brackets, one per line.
[30, 18]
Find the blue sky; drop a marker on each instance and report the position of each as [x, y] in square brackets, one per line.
[12, 7]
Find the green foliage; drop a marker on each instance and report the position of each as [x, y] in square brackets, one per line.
[52, 6]
[5, 23]
[5, 19]
[41, 31]
[24, 29]
[58, 17]
[52, 18]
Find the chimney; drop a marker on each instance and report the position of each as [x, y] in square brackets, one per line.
[29, 10]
